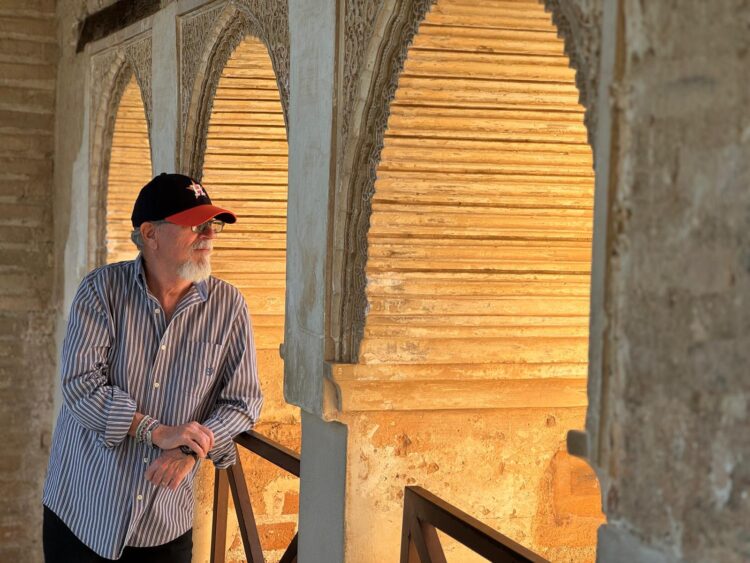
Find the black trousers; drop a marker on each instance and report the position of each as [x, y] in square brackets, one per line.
[62, 546]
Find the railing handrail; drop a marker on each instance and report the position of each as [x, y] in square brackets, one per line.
[279, 455]
[424, 511]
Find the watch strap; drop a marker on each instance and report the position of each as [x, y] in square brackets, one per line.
[187, 451]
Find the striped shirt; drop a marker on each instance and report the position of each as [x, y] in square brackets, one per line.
[121, 356]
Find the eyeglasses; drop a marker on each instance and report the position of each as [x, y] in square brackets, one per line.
[214, 224]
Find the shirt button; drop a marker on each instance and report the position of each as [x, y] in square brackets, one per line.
[139, 497]
[156, 384]
[163, 346]
[145, 460]
[156, 311]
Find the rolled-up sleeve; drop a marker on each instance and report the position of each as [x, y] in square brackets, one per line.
[239, 402]
[94, 403]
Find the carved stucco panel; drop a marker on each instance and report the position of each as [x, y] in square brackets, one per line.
[138, 55]
[194, 32]
[363, 127]
[359, 24]
[207, 40]
[104, 68]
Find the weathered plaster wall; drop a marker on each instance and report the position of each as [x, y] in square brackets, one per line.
[164, 92]
[71, 177]
[676, 455]
[506, 467]
[28, 69]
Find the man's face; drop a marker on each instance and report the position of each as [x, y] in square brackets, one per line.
[186, 253]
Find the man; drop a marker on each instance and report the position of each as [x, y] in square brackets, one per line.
[158, 370]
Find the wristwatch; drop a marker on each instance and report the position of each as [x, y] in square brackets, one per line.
[188, 451]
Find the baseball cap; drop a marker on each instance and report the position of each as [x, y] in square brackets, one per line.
[178, 199]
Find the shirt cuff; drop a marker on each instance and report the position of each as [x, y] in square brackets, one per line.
[120, 408]
[224, 452]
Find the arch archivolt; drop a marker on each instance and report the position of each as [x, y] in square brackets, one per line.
[110, 72]
[207, 39]
[375, 85]
[578, 24]
[378, 36]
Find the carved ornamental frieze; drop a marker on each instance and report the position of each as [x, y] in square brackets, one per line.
[207, 38]
[376, 39]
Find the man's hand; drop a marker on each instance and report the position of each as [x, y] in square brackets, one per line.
[170, 468]
[193, 435]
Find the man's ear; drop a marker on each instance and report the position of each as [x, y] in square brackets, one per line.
[148, 233]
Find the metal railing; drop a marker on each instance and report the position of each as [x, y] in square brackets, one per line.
[233, 478]
[425, 513]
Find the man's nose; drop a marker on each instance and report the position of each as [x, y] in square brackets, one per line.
[208, 232]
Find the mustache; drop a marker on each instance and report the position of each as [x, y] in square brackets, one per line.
[203, 245]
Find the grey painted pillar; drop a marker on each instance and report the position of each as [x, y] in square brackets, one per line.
[312, 31]
[322, 491]
[164, 91]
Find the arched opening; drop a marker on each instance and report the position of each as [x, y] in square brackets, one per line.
[473, 363]
[245, 169]
[129, 170]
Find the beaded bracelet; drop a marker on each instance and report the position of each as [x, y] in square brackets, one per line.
[149, 429]
[144, 430]
[141, 428]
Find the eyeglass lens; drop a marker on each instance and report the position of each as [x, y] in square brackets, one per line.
[213, 224]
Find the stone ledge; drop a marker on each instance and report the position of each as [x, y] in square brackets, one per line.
[357, 395]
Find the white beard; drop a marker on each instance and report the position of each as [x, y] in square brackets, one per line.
[196, 270]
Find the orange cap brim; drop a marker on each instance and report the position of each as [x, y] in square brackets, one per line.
[200, 214]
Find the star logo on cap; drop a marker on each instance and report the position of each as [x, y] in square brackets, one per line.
[197, 189]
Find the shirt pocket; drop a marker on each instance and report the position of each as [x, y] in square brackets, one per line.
[198, 366]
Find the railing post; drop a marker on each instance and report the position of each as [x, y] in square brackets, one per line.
[431, 542]
[420, 542]
[290, 555]
[408, 551]
[245, 517]
[219, 520]
[233, 478]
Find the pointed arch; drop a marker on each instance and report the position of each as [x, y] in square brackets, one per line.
[128, 170]
[111, 73]
[390, 36]
[208, 40]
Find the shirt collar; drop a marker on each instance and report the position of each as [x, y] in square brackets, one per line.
[139, 273]
[201, 287]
